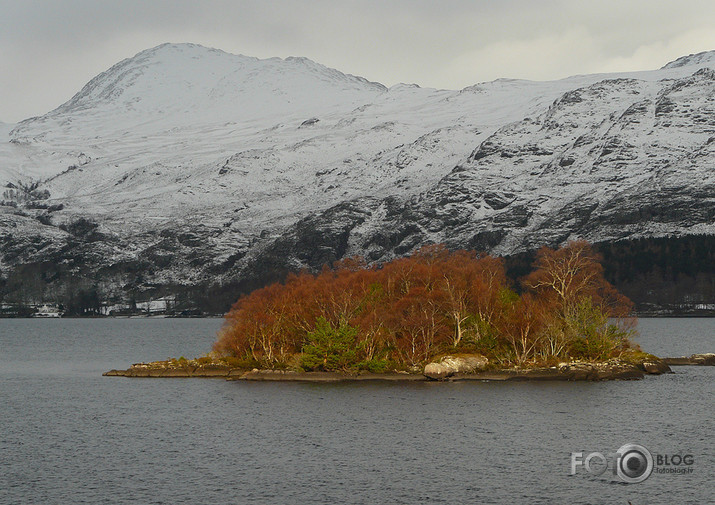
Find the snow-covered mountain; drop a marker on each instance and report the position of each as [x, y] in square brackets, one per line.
[186, 166]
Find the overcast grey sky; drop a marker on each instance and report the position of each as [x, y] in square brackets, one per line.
[50, 48]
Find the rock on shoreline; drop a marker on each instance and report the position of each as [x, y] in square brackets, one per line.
[473, 367]
[450, 365]
[707, 359]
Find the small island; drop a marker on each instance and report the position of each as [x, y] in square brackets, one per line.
[435, 315]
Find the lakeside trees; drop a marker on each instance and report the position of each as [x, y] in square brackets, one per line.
[412, 309]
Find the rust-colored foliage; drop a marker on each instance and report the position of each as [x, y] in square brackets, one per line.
[410, 309]
[567, 275]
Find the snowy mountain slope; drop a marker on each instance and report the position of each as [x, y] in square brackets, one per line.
[193, 166]
[643, 166]
[174, 93]
[704, 58]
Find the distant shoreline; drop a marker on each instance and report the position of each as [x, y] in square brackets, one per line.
[654, 315]
[646, 314]
[137, 316]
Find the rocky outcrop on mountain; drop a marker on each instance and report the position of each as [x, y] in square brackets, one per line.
[571, 173]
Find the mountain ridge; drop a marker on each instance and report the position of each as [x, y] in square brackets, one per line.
[218, 187]
[178, 81]
[703, 57]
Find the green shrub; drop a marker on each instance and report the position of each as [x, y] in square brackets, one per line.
[329, 348]
[636, 356]
[479, 336]
[246, 362]
[374, 365]
[592, 336]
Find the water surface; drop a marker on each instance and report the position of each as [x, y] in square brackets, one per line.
[69, 435]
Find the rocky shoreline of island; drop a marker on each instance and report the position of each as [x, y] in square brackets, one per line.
[707, 359]
[449, 368]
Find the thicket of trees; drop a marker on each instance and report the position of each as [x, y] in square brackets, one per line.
[670, 274]
[412, 309]
[667, 272]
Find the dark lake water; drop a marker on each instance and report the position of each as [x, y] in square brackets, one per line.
[70, 436]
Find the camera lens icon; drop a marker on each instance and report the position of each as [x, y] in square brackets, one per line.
[635, 463]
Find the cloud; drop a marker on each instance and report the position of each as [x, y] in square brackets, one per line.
[642, 57]
[539, 58]
[51, 49]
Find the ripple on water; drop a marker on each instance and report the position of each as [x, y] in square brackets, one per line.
[68, 435]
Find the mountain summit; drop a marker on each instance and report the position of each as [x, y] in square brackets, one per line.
[186, 169]
[187, 85]
[705, 58]
[189, 78]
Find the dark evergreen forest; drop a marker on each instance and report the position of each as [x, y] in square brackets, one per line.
[669, 275]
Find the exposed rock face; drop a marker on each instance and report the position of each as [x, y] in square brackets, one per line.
[437, 371]
[626, 368]
[707, 359]
[615, 369]
[571, 172]
[465, 363]
[169, 369]
[576, 371]
[648, 363]
[656, 368]
[704, 359]
[450, 365]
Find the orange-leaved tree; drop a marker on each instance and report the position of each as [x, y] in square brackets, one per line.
[577, 302]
